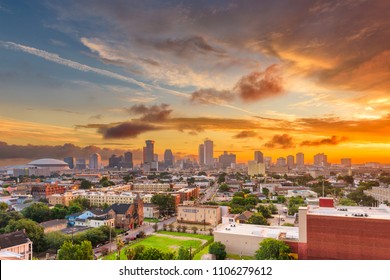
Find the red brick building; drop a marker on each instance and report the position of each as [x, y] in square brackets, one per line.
[344, 233]
[43, 190]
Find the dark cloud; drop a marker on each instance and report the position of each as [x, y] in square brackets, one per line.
[326, 141]
[211, 96]
[283, 141]
[187, 47]
[125, 130]
[59, 151]
[245, 134]
[260, 85]
[155, 113]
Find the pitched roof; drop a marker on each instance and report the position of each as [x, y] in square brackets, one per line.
[245, 215]
[118, 208]
[12, 239]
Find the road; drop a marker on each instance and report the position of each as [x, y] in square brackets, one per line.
[209, 193]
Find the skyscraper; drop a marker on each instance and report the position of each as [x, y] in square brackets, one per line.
[201, 154]
[259, 158]
[128, 160]
[321, 160]
[168, 158]
[281, 161]
[346, 162]
[81, 164]
[290, 161]
[149, 151]
[300, 159]
[209, 152]
[227, 159]
[71, 161]
[95, 161]
[114, 161]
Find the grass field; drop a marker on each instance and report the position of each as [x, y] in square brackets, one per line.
[168, 241]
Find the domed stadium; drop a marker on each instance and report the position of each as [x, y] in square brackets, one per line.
[50, 163]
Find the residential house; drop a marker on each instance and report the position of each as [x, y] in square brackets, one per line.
[127, 216]
[16, 242]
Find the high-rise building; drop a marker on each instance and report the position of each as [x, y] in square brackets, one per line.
[71, 161]
[346, 162]
[290, 161]
[149, 151]
[320, 160]
[201, 154]
[155, 157]
[226, 159]
[115, 161]
[300, 159]
[81, 163]
[259, 157]
[168, 158]
[268, 161]
[209, 152]
[95, 161]
[281, 161]
[127, 160]
[256, 168]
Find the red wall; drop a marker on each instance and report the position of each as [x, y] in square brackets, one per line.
[347, 238]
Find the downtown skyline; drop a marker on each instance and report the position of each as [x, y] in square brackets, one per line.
[279, 77]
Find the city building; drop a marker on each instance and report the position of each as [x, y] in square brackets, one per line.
[320, 160]
[151, 211]
[95, 161]
[346, 162]
[114, 161]
[151, 187]
[71, 161]
[209, 153]
[255, 168]
[81, 163]
[168, 158]
[290, 162]
[127, 216]
[281, 161]
[259, 157]
[17, 242]
[149, 151]
[381, 194]
[199, 214]
[53, 165]
[201, 154]
[226, 160]
[44, 190]
[127, 160]
[300, 159]
[54, 225]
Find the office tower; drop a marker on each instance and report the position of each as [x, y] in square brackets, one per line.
[300, 159]
[114, 161]
[268, 161]
[259, 157]
[81, 163]
[155, 157]
[71, 161]
[281, 161]
[127, 160]
[95, 161]
[226, 159]
[321, 160]
[290, 161]
[209, 152]
[168, 158]
[256, 168]
[149, 151]
[346, 162]
[201, 154]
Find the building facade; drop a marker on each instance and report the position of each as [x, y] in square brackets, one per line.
[17, 242]
[199, 214]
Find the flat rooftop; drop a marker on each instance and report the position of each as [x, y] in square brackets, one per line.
[286, 233]
[381, 212]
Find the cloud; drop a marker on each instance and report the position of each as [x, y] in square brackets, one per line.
[188, 47]
[260, 85]
[29, 151]
[283, 141]
[245, 134]
[125, 130]
[326, 141]
[211, 96]
[155, 113]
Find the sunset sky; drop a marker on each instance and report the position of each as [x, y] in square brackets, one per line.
[277, 76]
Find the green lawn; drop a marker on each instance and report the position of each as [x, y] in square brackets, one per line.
[199, 255]
[166, 243]
[237, 257]
[151, 220]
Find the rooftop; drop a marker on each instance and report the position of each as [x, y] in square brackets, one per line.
[286, 233]
[381, 212]
[12, 239]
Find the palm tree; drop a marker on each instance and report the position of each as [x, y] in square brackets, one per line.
[119, 245]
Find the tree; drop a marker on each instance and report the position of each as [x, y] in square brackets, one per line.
[155, 227]
[7, 217]
[152, 253]
[70, 251]
[347, 202]
[85, 185]
[170, 226]
[119, 245]
[55, 240]
[223, 188]
[258, 219]
[178, 228]
[218, 249]
[194, 229]
[33, 230]
[265, 191]
[3, 206]
[183, 254]
[38, 212]
[294, 203]
[184, 228]
[165, 203]
[272, 249]
[265, 211]
[59, 212]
